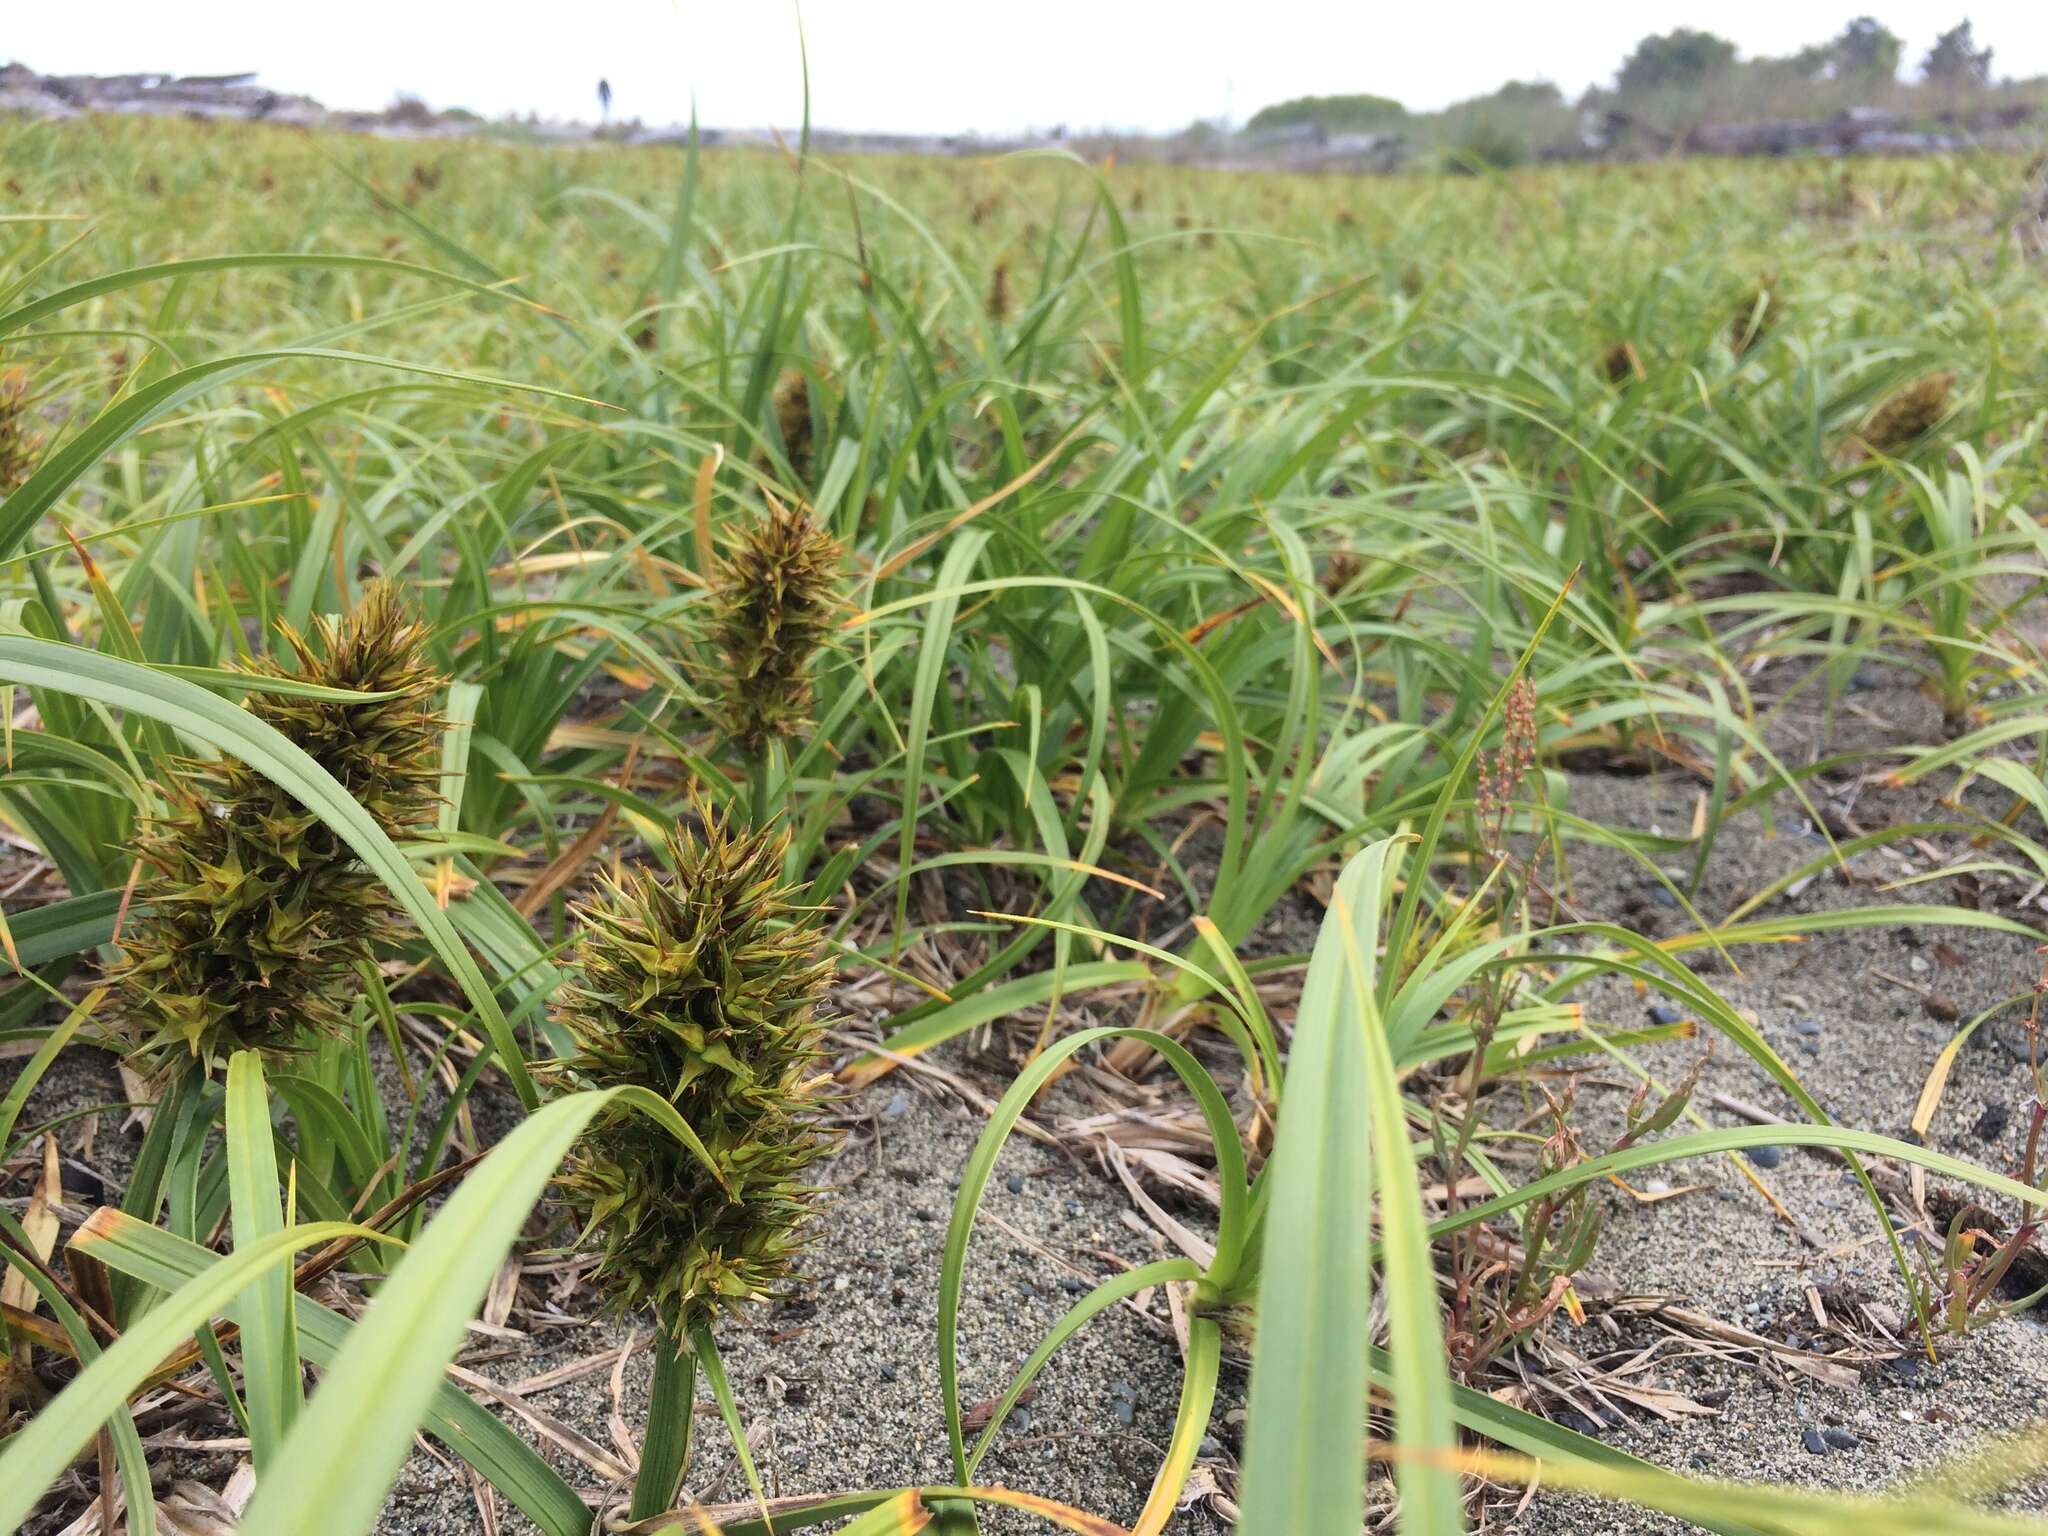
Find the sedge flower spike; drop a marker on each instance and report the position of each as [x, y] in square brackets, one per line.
[705, 989]
[256, 913]
[775, 606]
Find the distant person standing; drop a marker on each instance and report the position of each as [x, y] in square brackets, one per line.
[604, 99]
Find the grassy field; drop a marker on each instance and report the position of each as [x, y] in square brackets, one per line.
[508, 638]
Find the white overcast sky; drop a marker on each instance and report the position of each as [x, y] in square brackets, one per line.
[936, 65]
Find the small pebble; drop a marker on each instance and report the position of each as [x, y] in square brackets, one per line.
[1840, 1439]
[1209, 1449]
[1020, 1419]
[1992, 1123]
[888, 1373]
[1663, 896]
[1014, 1183]
[1815, 1442]
[899, 1103]
[1807, 1026]
[1919, 965]
[1125, 1413]
[1664, 1013]
[1766, 1157]
[1073, 1207]
[1071, 1285]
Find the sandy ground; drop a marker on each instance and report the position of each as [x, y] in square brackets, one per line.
[839, 1386]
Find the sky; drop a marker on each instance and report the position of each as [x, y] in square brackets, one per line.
[942, 66]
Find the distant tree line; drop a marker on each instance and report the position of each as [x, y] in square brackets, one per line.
[1671, 81]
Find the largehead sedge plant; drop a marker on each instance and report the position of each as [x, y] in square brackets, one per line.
[255, 912]
[704, 989]
[775, 606]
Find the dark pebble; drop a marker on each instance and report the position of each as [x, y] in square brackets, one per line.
[924, 1213]
[888, 1373]
[1577, 1422]
[1767, 1157]
[1907, 1367]
[1807, 1026]
[1663, 897]
[1124, 1390]
[796, 1394]
[1020, 1419]
[1126, 1415]
[84, 1183]
[1941, 1006]
[1664, 1013]
[1992, 1123]
[1072, 1286]
[1840, 1439]
[1815, 1442]
[1714, 1398]
[1073, 1207]
[1209, 1449]
[1014, 1183]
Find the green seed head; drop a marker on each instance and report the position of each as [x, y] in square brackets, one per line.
[1910, 413]
[1755, 313]
[18, 444]
[775, 605]
[704, 989]
[793, 421]
[257, 913]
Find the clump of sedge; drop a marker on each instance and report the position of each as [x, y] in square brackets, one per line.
[257, 913]
[775, 606]
[1909, 413]
[18, 444]
[704, 989]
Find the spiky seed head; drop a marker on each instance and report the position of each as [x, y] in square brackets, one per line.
[793, 421]
[1755, 313]
[775, 605]
[256, 913]
[704, 988]
[1909, 413]
[18, 444]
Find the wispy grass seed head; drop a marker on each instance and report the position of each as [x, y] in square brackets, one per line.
[704, 988]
